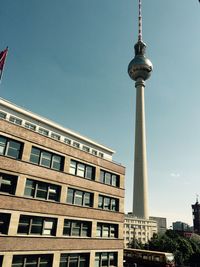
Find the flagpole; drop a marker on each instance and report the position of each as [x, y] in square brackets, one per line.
[6, 52]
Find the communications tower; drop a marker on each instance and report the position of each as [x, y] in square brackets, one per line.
[139, 70]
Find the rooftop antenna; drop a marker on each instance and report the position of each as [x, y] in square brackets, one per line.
[197, 198]
[140, 21]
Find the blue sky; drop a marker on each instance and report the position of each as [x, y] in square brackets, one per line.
[68, 62]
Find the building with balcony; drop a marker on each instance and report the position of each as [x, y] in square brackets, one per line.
[61, 195]
[137, 229]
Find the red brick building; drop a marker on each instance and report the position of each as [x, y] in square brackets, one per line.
[61, 195]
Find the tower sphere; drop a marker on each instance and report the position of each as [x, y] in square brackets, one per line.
[140, 66]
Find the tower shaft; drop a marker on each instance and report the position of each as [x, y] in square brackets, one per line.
[140, 200]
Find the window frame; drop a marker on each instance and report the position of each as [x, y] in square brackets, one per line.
[110, 228]
[32, 223]
[38, 156]
[39, 259]
[35, 188]
[9, 145]
[9, 181]
[106, 256]
[75, 169]
[72, 196]
[112, 202]
[113, 177]
[82, 226]
[4, 223]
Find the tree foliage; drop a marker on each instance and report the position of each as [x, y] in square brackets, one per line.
[184, 249]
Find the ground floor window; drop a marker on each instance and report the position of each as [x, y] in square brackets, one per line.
[106, 259]
[74, 260]
[32, 260]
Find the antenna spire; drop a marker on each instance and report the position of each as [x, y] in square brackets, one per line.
[140, 21]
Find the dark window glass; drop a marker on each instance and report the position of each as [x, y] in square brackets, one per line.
[1, 260]
[74, 260]
[2, 115]
[80, 198]
[77, 228]
[109, 178]
[36, 225]
[32, 260]
[42, 190]
[8, 183]
[46, 159]
[108, 203]
[106, 259]
[107, 230]
[82, 170]
[11, 148]
[4, 223]
[15, 120]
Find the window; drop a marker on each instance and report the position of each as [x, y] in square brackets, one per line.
[94, 152]
[10, 148]
[41, 190]
[67, 141]
[82, 170]
[30, 126]
[109, 178]
[3, 115]
[1, 260]
[86, 149]
[32, 260]
[101, 155]
[74, 260]
[8, 183]
[106, 259]
[108, 203]
[55, 136]
[75, 144]
[43, 131]
[46, 159]
[107, 230]
[15, 120]
[4, 223]
[77, 228]
[33, 225]
[81, 198]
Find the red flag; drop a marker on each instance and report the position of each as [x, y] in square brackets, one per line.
[2, 60]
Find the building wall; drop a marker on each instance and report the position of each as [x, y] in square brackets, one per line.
[18, 204]
[139, 229]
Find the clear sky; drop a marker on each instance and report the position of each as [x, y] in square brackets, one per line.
[68, 61]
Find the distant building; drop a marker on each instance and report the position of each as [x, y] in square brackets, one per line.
[140, 229]
[161, 223]
[181, 226]
[61, 195]
[196, 217]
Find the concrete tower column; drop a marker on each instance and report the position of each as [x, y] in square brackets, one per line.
[140, 196]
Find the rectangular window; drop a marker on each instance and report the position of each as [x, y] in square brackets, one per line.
[67, 141]
[10, 148]
[86, 149]
[30, 126]
[80, 198]
[33, 225]
[94, 152]
[3, 115]
[106, 259]
[46, 159]
[74, 260]
[43, 131]
[4, 223]
[41, 190]
[109, 178]
[75, 144]
[55, 136]
[108, 203]
[107, 230]
[101, 155]
[15, 120]
[77, 228]
[82, 170]
[8, 183]
[45, 260]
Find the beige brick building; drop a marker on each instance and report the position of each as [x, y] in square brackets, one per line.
[61, 195]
